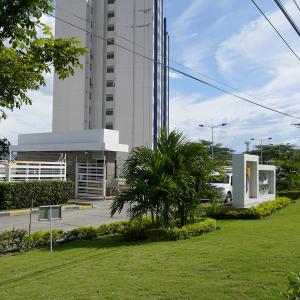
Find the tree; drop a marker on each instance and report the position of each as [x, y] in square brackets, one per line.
[166, 182]
[28, 50]
[4, 148]
[222, 155]
[287, 160]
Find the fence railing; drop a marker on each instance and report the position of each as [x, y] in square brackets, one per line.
[91, 180]
[28, 171]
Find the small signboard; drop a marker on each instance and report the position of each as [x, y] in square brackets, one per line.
[50, 212]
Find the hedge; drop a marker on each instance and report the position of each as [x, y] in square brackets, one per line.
[259, 212]
[136, 233]
[13, 241]
[294, 195]
[16, 195]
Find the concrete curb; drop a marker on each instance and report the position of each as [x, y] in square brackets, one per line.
[25, 212]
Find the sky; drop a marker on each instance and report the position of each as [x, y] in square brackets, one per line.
[223, 42]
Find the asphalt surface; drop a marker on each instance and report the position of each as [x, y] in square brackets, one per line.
[95, 216]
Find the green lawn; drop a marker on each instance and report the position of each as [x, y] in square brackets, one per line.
[244, 260]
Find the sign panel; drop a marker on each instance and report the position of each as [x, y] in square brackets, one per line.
[50, 212]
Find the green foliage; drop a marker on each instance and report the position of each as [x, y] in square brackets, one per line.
[4, 148]
[167, 181]
[293, 292]
[259, 212]
[91, 233]
[28, 50]
[293, 194]
[222, 155]
[13, 241]
[16, 195]
[287, 160]
[145, 231]
[40, 239]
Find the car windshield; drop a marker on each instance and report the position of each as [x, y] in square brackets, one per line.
[220, 179]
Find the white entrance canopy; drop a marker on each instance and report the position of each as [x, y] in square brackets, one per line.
[87, 140]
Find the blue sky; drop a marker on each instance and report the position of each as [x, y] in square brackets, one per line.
[229, 41]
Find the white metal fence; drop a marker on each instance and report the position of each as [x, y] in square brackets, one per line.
[91, 180]
[2, 172]
[12, 171]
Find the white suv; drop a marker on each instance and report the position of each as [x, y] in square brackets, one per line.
[223, 183]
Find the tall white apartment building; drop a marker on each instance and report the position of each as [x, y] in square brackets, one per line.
[124, 81]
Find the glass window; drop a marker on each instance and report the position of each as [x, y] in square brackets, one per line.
[110, 55]
[110, 27]
[109, 98]
[110, 83]
[110, 1]
[110, 69]
[109, 126]
[110, 41]
[109, 111]
[111, 14]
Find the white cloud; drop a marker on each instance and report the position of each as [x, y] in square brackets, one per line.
[29, 119]
[175, 75]
[254, 47]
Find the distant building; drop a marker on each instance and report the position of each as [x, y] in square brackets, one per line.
[116, 89]
[120, 98]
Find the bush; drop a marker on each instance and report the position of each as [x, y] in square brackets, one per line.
[293, 292]
[136, 233]
[16, 195]
[294, 195]
[91, 233]
[259, 212]
[42, 238]
[13, 241]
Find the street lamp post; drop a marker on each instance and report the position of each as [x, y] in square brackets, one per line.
[261, 146]
[212, 127]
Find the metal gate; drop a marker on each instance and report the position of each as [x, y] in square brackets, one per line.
[91, 180]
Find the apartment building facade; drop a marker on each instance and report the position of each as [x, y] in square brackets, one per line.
[124, 83]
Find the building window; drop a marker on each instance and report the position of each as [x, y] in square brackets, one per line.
[110, 55]
[110, 42]
[109, 112]
[109, 98]
[110, 70]
[110, 83]
[111, 28]
[111, 14]
[110, 1]
[109, 126]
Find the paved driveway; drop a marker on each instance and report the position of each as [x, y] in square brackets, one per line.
[70, 219]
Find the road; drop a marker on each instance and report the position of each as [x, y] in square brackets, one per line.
[95, 216]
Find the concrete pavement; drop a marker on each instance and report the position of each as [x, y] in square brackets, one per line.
[95, 216]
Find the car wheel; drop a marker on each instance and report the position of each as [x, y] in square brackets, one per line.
[228, 198]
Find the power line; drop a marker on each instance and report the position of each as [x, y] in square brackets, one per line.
[296, 3]
[171, 60]
[288, 16]
[280, 35]
[178, 71]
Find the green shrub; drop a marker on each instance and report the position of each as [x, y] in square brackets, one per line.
[293, 292]
[136, 233]
[13, 241]
[259, 212]
[16, 195]
[91, 233]
[294, 195]
[42, 238]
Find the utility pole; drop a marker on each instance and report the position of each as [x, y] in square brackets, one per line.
[261, 146]
[212, 127]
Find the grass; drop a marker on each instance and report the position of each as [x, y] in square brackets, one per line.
[246, 259]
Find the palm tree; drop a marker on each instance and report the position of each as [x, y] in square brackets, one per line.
[165, 182]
